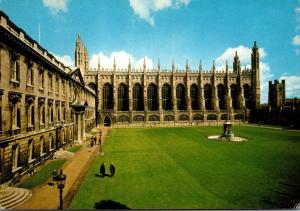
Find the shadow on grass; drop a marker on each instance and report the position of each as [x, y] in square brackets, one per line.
[268, 202]
[109, 204]
[105, 175]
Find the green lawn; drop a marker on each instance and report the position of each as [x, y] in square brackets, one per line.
[42, 175]
[180, 168]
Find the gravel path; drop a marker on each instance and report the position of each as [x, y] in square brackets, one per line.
[47, 197]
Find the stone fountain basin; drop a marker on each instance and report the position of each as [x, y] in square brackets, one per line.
[222, 138]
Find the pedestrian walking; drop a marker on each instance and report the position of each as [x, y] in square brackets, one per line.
[102, 169]
[112, 169]
[92, 142]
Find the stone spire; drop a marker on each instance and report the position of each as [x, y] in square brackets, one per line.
[200, 66]
[144, 65]
[187, 65]
[81, 56]
[214, 66]
[236, 63]
[226, 67]
[78, 39]
[114, 64]
[129, 65]
[173, 65]
[99, 63]
[158, 65]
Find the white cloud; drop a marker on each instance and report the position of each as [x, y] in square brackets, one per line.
[139, 64]
[244, 54]
[265, 76]
[292, 86]
[66, 59]
[121, 58]
[56, 6]
[296, 40]
[144, 8]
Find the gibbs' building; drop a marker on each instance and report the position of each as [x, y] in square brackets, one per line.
[44, 105]
[147, 97]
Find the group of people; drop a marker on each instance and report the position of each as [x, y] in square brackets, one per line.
[111, 168]
[93, 141]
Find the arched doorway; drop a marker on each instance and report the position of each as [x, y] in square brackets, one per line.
[107, 121]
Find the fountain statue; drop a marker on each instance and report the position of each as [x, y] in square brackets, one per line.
[227, 135]
[227, 132]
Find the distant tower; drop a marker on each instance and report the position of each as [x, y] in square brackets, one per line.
[236, 63]
[276, 94]
[81, 56]
[255, 83]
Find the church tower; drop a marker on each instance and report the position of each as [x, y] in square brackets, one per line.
[81, 57]
[255, 83]
[236, 63]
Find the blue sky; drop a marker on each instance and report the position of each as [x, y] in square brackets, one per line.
[169, 29]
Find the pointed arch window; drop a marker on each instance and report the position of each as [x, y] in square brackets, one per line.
[221, 96]
[108, 97]
[166, 97]
[123, 98]
[194, 97]
[138, 100]
[247, 95]
[208, 97]
[180, 95]
[152, 97]
[234, 96]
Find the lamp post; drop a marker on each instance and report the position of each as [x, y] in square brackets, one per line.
[59, 179]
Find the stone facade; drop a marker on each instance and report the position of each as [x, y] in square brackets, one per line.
[143, 97]
[43, 104]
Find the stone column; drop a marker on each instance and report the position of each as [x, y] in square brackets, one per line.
[78, 116]
[115, 93]
[83, 126]
[202, 98]
[242, 98]
[215, 98]
[159, 100]
[100, 93]
[228, 99]
[188, 99]
[130, 93]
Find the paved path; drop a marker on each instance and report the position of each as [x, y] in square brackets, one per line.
[270, 127]
[47, 197]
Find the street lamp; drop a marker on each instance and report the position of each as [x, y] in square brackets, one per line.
[59, 179]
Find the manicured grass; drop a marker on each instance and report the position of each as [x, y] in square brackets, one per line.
[74, 148]
[42, 175]
[180, 168]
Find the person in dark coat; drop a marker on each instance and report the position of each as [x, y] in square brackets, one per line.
[102, 169]
[112, 169]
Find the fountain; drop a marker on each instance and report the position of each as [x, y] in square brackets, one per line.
[227, 135]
